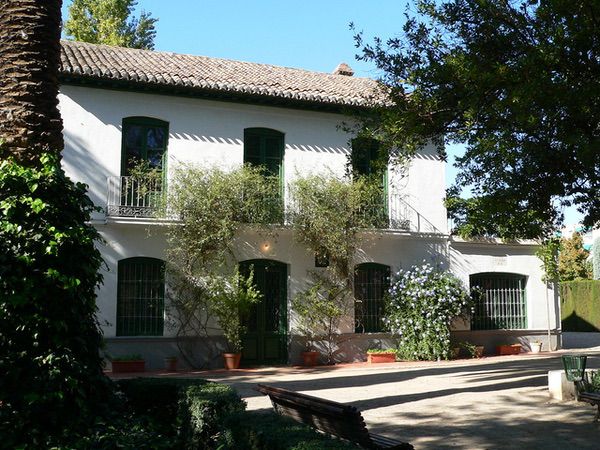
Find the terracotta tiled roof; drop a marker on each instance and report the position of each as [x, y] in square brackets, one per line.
[212, 76]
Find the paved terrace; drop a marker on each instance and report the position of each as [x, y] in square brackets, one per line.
[491, 403]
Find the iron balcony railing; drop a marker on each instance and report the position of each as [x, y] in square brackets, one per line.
[134, 197]
[140, 198]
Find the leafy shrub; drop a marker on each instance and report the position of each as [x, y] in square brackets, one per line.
[579, 305]
[596, 258]
[191, 412]
[421, 303]
[252, 430]
[49, 334]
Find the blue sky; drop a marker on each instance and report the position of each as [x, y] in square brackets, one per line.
[308, 34]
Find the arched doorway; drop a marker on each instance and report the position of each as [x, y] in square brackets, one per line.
[266, 339]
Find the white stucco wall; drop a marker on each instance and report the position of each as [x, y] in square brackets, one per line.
[211, 132]
[468, 258]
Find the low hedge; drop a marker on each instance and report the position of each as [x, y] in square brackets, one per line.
[252, 430]
[192, 411]
[580, 305]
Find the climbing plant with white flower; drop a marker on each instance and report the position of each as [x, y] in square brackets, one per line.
[421, 304]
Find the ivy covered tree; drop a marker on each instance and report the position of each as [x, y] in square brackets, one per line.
[596, 258]
[573, 259]
[51, 380]
[110, 22]
[515, 82]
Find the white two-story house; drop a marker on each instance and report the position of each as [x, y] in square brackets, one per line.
[167, 108]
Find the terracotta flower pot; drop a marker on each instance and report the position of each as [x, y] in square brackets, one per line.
[232, 360]
[513, 349]
[374, 358]
[309, 359]
[171, 363]
[128, 366]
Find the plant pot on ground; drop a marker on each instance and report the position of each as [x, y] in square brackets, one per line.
[232, 360]
[536, 347]
[318, 311]
[381, 356]
[128, 364]
[310, 358]
[171, 363]
[510, 349]
[473, 350]
[231, 298]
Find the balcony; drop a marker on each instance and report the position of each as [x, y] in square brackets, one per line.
[129, 197]
[133, 197]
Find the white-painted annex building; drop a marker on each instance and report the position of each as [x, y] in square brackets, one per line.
[117, 103]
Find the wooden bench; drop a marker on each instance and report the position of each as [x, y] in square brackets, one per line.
[330, 417]
[593, 398]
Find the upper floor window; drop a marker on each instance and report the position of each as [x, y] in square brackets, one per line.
[499, 301]
[264, 147]
[144, 139]
[368, 157]
[369, 160]
[371, 282]
[140, 297]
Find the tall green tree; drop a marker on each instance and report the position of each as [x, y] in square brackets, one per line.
[110, 22]
[51, 379]
[573, 259]
[516, 82]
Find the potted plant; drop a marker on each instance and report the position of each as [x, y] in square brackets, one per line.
[536, 346]
[387, 355]
[171, 363]
[128, 363]
[474, 351]
[231, 298]
[318, 311]
[508, 349]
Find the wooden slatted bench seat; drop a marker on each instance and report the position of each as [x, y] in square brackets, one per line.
[330, 417]
[593, 398]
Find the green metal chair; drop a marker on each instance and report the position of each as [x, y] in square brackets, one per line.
[575, 371]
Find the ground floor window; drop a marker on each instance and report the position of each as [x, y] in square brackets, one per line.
[140, 297]
[371, 282]
[499, 301]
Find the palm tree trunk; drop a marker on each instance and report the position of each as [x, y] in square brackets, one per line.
[30, 123]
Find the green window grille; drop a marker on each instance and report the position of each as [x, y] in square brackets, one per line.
[140, 297]
[368, 159]
[144, 139]
[371, 283]
[500, 302]
[264, 148]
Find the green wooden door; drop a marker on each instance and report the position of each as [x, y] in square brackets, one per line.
[266, 339]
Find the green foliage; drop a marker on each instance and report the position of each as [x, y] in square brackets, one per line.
[422, 302]
[548, 253]
[320, 309]
[190, 412]
[596, 258]
[516, 83]
[573, 260]
[594, 381]
[109, 22]
[49, 335]
[213, 204]
[384, 350]
[329, 212]
[257, 431]
[579, 305]
[470, 348]
[229, 300]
